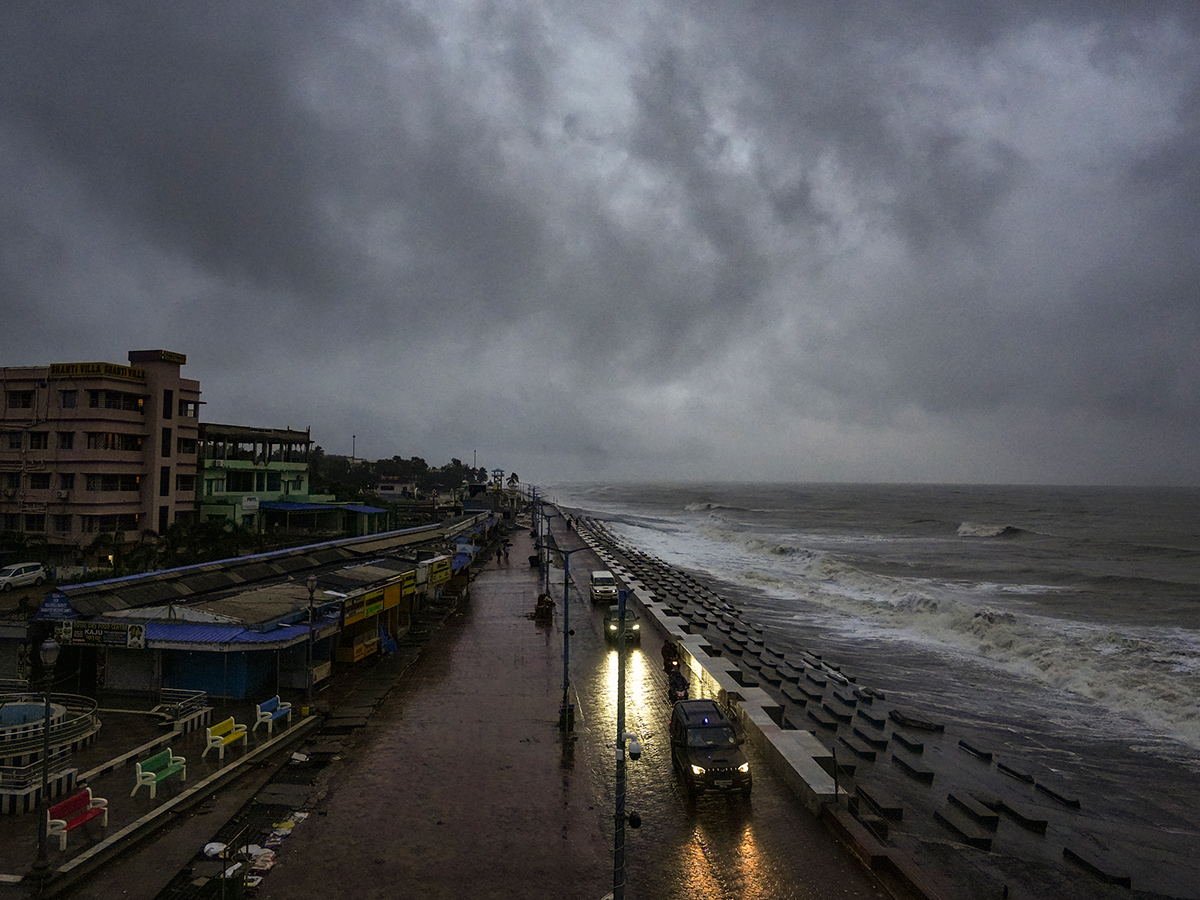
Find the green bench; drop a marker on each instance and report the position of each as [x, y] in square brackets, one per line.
[222, 735]
[73, 812]
[161, 765]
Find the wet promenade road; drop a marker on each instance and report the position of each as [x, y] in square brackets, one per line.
[461, 785]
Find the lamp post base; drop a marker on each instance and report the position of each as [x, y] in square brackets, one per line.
[566, 717]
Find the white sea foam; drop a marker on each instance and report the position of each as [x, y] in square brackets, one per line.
[980, 529]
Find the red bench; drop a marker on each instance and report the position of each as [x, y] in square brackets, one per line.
[73, 812]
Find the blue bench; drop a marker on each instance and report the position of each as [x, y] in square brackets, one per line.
[269, 711]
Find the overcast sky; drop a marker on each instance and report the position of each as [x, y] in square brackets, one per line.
[689, 239]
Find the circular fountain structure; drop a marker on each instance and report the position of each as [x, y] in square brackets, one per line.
[23, 737]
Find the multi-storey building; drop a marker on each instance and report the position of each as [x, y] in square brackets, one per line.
[244, 468]
[97, 449]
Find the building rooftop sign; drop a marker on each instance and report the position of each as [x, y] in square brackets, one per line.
[76, 370]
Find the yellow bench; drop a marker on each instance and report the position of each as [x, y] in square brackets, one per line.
[222, 735]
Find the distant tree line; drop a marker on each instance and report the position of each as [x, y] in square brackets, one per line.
[355, 479]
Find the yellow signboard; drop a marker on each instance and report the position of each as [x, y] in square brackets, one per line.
[439, 571]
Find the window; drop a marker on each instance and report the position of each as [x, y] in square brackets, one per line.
[39, 440]
[164, 481]
[115, 400]
[20, 399]
[116, 522]
[107, 440]
[239, 482]
[189, 409]
[164, 518]
[273, 481]
[62, 524]
[107, 482]
[66, 440]
[14, 440]
[68, 399]
[185, 446]
[168, 407]
[66, 481]
[35, 522]
[11, 521]
[166, 443]
[12, 481]
[39, 481]
[185, 484]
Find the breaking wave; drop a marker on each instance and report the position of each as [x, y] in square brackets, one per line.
[979, 529]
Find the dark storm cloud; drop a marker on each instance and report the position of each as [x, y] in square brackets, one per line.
[183, 122]
[693, 235]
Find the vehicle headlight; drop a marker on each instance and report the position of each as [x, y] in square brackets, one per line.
[636, 626]
[697, 770]
[744, 767]
[612, 627]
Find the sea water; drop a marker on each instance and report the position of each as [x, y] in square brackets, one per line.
[1061, 625]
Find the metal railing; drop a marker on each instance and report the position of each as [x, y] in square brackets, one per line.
[79, 721]
[176, 703]
[22, 778]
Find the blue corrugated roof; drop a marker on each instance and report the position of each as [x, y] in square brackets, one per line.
[219, 634]
[294, 506]
[365, 509]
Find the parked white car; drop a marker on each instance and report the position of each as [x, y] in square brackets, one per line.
[22, 574]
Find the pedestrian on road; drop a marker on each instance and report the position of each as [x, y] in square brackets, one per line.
[499, 555]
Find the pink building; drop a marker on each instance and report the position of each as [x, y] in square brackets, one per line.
[92, 448]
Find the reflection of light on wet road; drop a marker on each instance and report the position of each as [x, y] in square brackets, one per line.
[698, 875]
[639, 686]
[750, 868]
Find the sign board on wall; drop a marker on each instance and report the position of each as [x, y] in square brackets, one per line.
[106, 634]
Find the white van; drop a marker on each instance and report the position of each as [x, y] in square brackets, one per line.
[604, 587]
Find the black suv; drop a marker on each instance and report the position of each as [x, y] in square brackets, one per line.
[706, 749]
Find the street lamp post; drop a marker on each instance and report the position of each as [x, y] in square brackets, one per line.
[546, 517]
[635, 750]
[566, 712]
[312, 589]
[41, 866]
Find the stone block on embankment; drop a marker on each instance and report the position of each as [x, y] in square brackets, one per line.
[795, 755]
